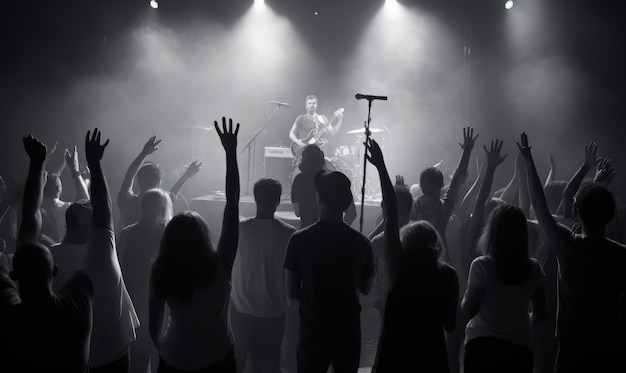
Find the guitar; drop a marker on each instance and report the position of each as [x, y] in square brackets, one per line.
[314, 137]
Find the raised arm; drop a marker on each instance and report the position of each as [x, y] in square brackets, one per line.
[460, 174]
[334, 128]
[591, 150]
[537, 197]
[524, 198]
[604, 171]
[552, 173]
[494, 159]
[510, 194]
[150, 147]
[465, 209]
[393, 246]
[229, 239]
[30, 228]
[190, 172]
[100, 199]
[71, 159]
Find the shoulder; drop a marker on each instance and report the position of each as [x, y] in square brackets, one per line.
[284, 226]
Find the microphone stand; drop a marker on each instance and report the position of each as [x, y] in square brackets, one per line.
[250, 147]
[367, 137]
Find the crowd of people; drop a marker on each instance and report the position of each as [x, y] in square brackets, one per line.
[527, 278]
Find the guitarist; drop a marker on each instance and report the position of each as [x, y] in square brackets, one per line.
[306, 123]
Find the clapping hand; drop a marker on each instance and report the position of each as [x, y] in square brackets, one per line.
[228, 137]
[35, 149]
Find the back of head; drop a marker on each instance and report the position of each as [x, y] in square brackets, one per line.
[333, 190]
[431, 181]
[595, 204]
[421, 243]
[53, 187]
[267, 192]
[312, 158]
[186, 258]
[505, 239]
[492, 204]
[554, 193]
[156, 207]
[78, 215]
[149, 176]
[33, 266]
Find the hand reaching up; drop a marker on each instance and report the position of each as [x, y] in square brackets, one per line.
[35, 149]
[605, 171]
[400, 180]
[524, 147]
[151, 145]
[468, 139]
[193, 168]
[93, 150]
[228, 137]
[493, 155]
[591, 151]
[71, 159]
[373, 153]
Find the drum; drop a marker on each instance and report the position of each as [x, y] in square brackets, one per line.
[350, 154]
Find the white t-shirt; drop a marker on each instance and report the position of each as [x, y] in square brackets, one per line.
[114, 317]
[258, 280]
[504, 309]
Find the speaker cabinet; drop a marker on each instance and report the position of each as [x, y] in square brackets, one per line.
[278, 164]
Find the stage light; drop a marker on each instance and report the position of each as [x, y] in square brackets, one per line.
[259, 2]
[154, 4]
[508, 4]
[316, 13]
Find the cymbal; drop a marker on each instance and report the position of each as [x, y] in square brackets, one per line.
[361, 131]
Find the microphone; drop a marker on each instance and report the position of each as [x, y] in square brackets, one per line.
[370, 97]
[279, 103]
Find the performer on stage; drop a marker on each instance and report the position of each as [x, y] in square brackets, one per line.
[311, 128]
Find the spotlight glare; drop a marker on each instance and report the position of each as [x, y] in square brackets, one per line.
[259, 2]
[154, 4]
[317, 13]
[508, 4]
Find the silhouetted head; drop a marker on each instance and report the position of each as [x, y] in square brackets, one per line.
[149, 176]
[505, 239]
[595, 205]
[53, 187]
[491, 205]
[33, 268]
[554, 194]
[267, 192]
[431, 182]
[187, 259]
[78, 222]
[421, 243]
[312, 158]
[333, 191]
[156, 207]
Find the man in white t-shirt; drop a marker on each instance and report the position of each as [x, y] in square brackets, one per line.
[259, 294]
[114, 317]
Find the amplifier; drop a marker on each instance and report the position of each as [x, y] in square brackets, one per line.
[278, 152]
[279, 165]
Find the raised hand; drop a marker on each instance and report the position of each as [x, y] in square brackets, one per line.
[228, 137]
[71, 159]
[468, 139]
[519, 162]
[605, 171]
[151, 145]
[524, 148]
[93, 149]
[373, 153]
[193, 168]
[493, 155]
[591, 151]
[35, 149]
[400, 180]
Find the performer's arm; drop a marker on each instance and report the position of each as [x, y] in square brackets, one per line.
[334, 129]
[292, 134]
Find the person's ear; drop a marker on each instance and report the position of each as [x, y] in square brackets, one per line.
[55, 270]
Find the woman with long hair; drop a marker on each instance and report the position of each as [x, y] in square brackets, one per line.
[423, 290]
[504, 284]
[192, 277]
